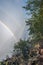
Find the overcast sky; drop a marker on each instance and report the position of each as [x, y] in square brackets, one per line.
[12, 17]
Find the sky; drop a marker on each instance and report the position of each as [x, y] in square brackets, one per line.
[12, 24]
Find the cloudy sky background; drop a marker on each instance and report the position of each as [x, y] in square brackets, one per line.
[13, 16]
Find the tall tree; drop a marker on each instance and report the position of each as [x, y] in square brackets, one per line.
[36, 21]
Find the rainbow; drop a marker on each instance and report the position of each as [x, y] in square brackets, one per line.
[5, 26]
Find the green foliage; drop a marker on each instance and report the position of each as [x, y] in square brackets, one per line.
[32, 5]
[21, 44]
[24, 47]
[36, 21]
[35, 24]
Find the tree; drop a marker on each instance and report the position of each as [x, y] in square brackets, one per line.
[36, 21]
[35, 24]
[23, 48]
[34, 9]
